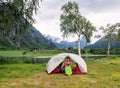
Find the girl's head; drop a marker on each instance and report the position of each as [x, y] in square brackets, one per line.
[67, 58]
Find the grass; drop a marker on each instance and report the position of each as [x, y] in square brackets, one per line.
[31, 53]
[102, 73]
[11, 53]
[45, 53]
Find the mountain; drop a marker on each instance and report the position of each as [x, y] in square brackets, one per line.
[31, 38]
[66, 44]
[102, 43]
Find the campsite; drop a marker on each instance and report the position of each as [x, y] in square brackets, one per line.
[59, 43]
[102, 73]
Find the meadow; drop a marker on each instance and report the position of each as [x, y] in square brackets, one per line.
[102, 73]
[31, 53]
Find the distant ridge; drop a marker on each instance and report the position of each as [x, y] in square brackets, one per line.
[102, 43]
[64, 43]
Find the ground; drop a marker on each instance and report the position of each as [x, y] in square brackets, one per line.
[102, 73]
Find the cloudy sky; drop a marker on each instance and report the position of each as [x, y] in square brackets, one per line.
[99, 12]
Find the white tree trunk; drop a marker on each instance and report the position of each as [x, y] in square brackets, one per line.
[108, 51]
[79, 52]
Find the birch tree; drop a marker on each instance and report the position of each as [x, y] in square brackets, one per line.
[17, 15]
[108, 32]
[73, 23]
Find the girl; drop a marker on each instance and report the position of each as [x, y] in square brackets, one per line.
[67, 64]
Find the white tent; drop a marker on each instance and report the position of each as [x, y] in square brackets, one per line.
[57, 59]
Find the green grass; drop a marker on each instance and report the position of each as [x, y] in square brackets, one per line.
[102, 73]
[31, 53]
[19, 70]
[11, 53]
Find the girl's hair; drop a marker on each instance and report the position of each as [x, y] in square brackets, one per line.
[67, 57]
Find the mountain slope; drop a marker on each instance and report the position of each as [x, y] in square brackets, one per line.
[66, 44]
[102, 43]
[31, 39]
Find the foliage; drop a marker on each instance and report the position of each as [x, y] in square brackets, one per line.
[31, 39]
[26, 60]
[73, 23]
[119, 34]
[4, 41]
[113, 51]
[95, 51]
[6, 45]
[108, 31]
[16, 16]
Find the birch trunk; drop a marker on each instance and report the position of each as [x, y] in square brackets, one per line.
[108, 51]
[79, 52]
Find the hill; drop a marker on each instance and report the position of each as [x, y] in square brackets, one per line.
[31, 39]
[102, 43]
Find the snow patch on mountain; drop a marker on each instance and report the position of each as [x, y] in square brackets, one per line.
[65, 43]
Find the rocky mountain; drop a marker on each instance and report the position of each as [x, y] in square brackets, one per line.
[102, 43]
[65, 44]
[32, 38]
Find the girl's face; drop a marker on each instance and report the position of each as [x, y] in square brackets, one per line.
[68, 59]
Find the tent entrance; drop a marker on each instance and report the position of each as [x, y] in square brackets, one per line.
[54, 65]
[61, 69]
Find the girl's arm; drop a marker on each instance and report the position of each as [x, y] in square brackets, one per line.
[70, 63]
[64, 63]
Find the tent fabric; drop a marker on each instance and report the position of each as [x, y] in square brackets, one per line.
[56, 60]
[76, 70]
[57, 70]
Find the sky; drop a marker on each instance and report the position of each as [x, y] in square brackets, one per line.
[98, 12]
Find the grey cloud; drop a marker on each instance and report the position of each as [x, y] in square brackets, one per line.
[99, 5]
[50, 9]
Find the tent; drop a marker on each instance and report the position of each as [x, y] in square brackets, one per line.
[53, 65]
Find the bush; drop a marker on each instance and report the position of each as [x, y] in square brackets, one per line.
[4, 41]
[23, 60]
[101, 50]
